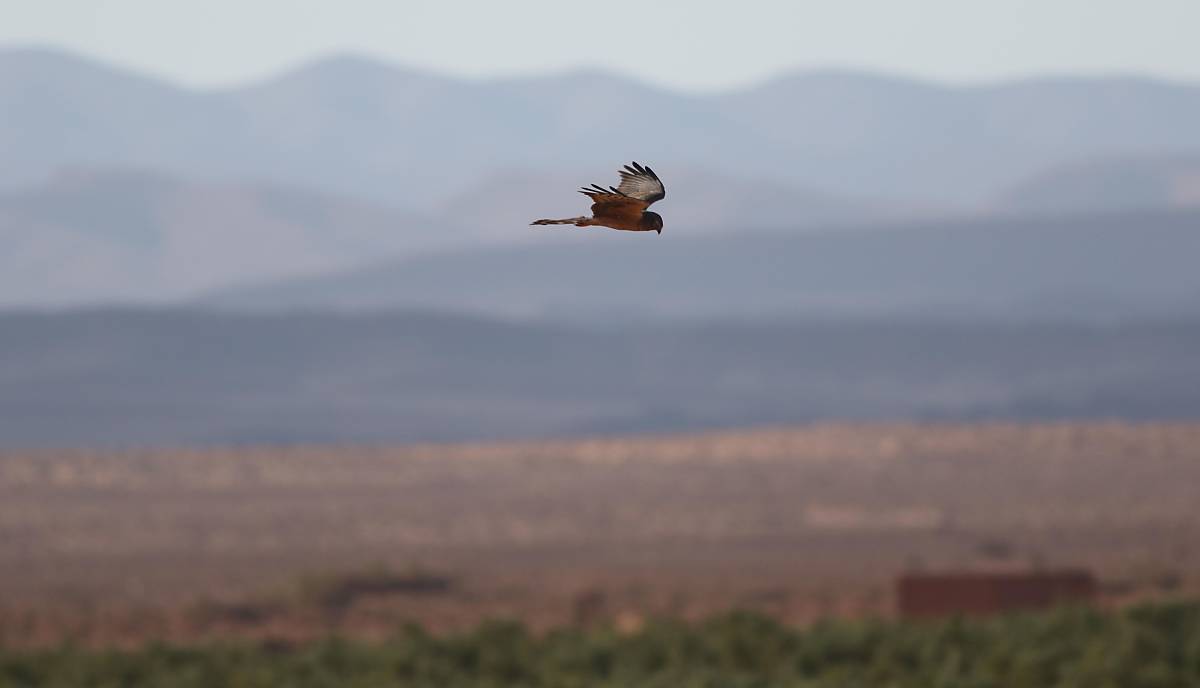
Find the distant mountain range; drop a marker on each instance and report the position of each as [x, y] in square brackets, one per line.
[1118, 184]
[106, 236]
[414, 139]
[352, 183]
[1133, 265]
[172, 377]
[837, 245]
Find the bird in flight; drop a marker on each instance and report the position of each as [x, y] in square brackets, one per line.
[623, 207]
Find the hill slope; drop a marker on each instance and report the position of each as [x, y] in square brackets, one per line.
[1117, 184]
[180, 377]
[90, 236]
[1130, 265]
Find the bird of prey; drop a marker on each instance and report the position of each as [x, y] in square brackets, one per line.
[623, 207]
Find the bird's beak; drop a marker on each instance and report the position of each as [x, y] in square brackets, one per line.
[659, 230]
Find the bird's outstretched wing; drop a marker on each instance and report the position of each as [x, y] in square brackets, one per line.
[640, 187]
[640, 182]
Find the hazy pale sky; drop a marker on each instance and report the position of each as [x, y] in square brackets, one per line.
[682, 43]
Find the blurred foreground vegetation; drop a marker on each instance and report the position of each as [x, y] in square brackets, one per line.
[1149, 646]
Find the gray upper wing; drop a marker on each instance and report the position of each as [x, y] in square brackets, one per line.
[640, 182]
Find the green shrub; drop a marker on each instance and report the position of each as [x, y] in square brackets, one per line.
[1143, 647]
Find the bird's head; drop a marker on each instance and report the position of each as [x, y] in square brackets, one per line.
[652, 221]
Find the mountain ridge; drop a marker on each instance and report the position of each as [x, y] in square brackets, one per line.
[404, 136]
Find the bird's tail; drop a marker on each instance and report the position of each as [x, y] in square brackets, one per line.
[577, 221]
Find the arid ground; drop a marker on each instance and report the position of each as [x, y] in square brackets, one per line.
[800, 523]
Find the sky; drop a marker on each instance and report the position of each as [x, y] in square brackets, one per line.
[685, 44]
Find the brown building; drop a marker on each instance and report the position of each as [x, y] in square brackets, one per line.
[923, 595]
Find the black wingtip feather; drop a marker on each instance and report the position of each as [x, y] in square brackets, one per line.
[637, 169]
